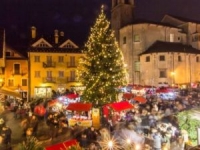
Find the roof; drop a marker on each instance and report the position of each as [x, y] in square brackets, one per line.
[143, 21]
[55, 50]
[1, 42]
[79, 106]
[183, 19]
[120, 106]
[160, 46]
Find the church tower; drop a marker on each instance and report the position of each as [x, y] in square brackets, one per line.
[122, 13]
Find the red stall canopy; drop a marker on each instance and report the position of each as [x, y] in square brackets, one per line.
[79, 106]
[72, 96]
[128, 95]
[61, 146]
[119, 106]
[140, 99]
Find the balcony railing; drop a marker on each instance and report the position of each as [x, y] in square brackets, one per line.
[49, 64]
[61, 80]
[49, 80]
[72, 64]
[71, 79]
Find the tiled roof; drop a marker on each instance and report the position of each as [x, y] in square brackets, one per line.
[1, 42]
[160, 46]
[55, 50]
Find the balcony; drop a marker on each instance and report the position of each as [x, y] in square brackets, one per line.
[71, 79]
[61, 80]
[49, 64]
[49, 80]
[72, 64]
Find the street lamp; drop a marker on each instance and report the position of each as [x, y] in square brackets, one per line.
[173, 77]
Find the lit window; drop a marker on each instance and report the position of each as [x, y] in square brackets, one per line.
[136, 38]
[68, 45]
[42, 44]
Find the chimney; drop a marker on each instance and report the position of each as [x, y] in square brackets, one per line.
[33, 32]
[62, 33]
[56, 36]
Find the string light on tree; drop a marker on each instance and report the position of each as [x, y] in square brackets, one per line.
[101, 70]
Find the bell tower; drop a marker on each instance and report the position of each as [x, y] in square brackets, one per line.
[122, 14]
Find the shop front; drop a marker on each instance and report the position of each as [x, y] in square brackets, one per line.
[81, 114]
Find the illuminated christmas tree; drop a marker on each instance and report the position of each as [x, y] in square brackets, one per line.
[101, 70]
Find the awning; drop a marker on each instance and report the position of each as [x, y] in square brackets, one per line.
[79, 106]
[140, 99]
[128, 95]
[52, 103]
[72, 96]
[10, 93]
[119, 106]
[61, 146]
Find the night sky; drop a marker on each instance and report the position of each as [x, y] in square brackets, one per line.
[75, 17]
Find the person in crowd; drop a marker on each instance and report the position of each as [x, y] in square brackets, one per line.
[157, 141]
[33, 123]
[6, 135]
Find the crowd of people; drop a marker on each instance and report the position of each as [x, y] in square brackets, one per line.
[154, 120]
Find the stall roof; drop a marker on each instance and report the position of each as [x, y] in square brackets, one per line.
[79, 106]
[11, 93]
[119, 106]
[63, 145]
[140, 99]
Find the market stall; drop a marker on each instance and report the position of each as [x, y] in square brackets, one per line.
[81, 114]
[117, 110]
[63, 145]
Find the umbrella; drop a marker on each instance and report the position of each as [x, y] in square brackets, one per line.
[140, 99]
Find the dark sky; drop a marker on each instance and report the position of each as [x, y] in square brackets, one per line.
[75, 17]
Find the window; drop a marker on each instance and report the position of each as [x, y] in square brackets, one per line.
[16, 68]
[49, 74]
[163, 73]
[72, 61]
[179, 59]
[124, 40]
[37, 58]
[60, 59]
[61, 74]
[68, 45]
[10, 82]
[148, 59]
[171, 37]
[72, 75]
[197, 59]
[136, 38]
[42, 44]
[37, 74]
[49, 59]
[8, 54]
[24, 82]
[162, 58]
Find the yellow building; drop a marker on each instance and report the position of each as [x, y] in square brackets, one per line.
[52, 64]
[16, 73]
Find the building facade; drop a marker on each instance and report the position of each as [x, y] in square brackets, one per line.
[157, 53]
[52, 64]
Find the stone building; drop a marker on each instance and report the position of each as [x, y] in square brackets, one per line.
[160, 54]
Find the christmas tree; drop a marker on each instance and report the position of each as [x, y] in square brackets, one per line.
[101, 70]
